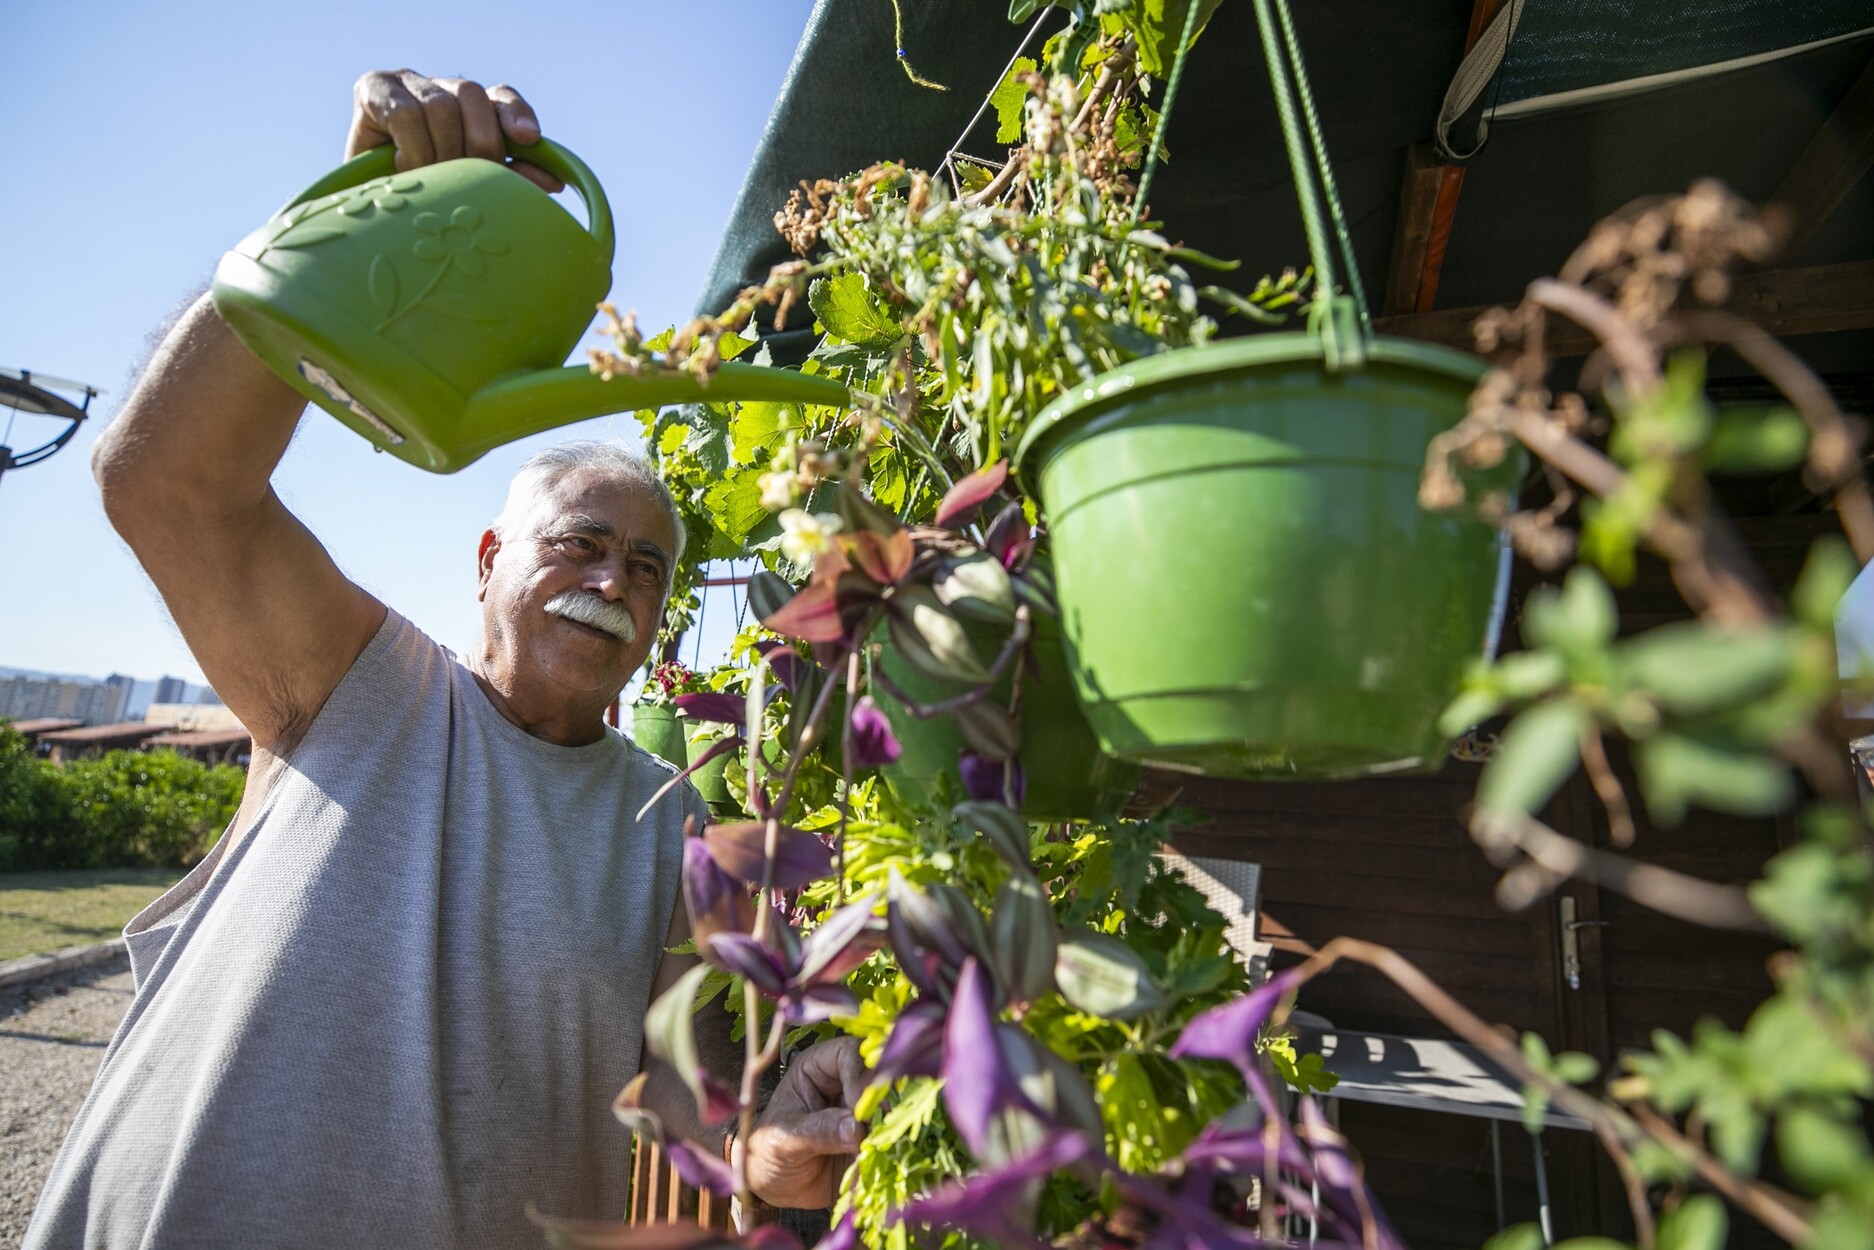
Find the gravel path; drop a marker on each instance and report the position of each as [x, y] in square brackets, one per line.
[52, 1035]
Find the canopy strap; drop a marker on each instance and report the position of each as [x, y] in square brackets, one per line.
[1475, 73]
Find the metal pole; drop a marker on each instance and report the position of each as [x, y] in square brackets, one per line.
[1542, 1192]
[1496, 1169]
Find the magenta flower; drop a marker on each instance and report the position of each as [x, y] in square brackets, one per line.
[986, 780]
[873, 743]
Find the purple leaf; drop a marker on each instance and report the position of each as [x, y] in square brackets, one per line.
[971, 493]
[883, 558]
[1230, 1031]
[1244, 1151]
[819, 1002]
[568, 1234]
[842, 1236]
[700, 1169]
[916, 922]
[738, 849]
[670, 1034]
[718, 1102]
[915, 1047]
[1010, 537]
[770, 1237]
[873, 742]
[812, 615]
[1342, 1186]
[715, 901]
[745, 957]
[983, 1062]
[784, 662]
[985, 779]
[971, 1091]
[728, 709]
[923, 967]
[1329, 1147]
[995, 1204]
[841, 943]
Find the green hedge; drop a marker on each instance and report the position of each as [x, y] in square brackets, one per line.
[121, 809]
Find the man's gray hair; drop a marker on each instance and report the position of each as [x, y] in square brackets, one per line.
[613, 459]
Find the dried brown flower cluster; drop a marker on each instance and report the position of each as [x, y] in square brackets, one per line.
[628, 356]
[696, 347]
[807, 208]
[1643, 258]
[1628, 285]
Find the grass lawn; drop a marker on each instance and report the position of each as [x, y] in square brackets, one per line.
[43, 911]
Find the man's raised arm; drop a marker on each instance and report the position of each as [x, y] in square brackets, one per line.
[184, 475]
[185, 468]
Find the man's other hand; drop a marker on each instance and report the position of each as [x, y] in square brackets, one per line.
[806, 1138]
[442, 119]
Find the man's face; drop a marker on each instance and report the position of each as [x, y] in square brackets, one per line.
[586, 566]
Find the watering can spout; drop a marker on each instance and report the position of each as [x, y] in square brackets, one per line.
[529, 401]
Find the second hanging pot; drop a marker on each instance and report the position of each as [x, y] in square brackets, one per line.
[1248, 586]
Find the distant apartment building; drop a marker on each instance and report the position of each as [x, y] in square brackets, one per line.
[170, 690]
[34, 698]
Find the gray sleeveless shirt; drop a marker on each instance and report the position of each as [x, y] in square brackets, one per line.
[396, 1009]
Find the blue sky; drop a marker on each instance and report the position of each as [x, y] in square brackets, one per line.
[148, 138]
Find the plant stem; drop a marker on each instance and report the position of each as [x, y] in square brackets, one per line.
[905, 431]
[845, 775]
[1018, 637]
[1671, 893]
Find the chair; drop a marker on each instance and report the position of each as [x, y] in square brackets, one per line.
[1233, 889]
[1419, 1073]
[1426, 1074]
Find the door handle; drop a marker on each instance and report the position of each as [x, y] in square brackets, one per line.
[1571, 944]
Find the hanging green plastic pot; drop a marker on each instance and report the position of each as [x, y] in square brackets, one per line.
[1068, 776]
[711, 780]
[655, 727]
[1247, 584]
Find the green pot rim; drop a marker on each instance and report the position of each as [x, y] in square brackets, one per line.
[1169, 369]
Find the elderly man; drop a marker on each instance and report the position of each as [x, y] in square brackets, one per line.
[394, 1006]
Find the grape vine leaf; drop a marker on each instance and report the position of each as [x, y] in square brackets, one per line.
[1010, 97]
[849, 309]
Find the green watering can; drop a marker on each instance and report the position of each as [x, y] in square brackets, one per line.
[431, 311]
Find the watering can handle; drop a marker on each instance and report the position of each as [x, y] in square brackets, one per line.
[547, 154]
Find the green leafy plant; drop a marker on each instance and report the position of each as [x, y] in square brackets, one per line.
[120, 809]
[1054, 1026]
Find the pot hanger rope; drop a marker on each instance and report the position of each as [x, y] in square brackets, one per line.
[1342, 321]
[1164, 111]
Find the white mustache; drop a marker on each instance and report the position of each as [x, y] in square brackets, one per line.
[589, 609]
